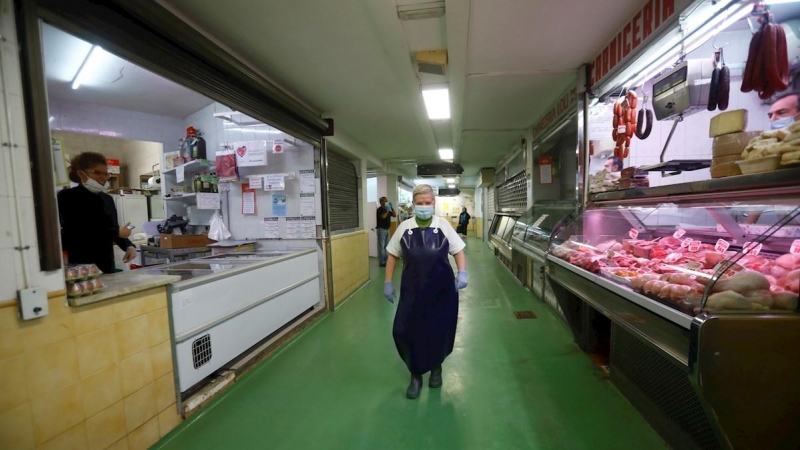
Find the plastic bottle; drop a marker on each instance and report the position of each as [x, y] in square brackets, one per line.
[206, 182]
[196, 145]
[197, 183]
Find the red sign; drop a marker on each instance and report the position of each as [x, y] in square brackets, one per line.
[278, 148]
[561, 108]
[644, 25]
[795, 249]
[722, 246]
[545, 170]
[634, 233]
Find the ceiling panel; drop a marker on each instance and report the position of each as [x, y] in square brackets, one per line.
[486, 150]
[543, 35]
[511, 102]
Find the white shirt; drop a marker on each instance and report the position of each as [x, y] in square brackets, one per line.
[456, 243]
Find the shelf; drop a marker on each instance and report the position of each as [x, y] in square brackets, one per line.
[770, 183]
[198, 165]
[180, 198]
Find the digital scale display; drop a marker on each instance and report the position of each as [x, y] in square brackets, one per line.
[675, 79]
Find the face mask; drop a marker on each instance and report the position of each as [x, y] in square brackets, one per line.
[423, 212]
[782, 123]
[93, 186]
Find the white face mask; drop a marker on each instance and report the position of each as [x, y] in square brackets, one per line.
[93, 186]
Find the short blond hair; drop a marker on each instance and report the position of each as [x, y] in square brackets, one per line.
[422, 189]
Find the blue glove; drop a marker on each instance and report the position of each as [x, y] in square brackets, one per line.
[388, 291]
[461, 280]
[388, 206]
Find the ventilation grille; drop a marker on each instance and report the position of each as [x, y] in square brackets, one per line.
[201, 351]
[513, 194]
[664, 384]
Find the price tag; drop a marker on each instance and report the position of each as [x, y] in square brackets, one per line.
[672, 258]
[686, 242]
[750, 248]
[731, 271]
[722, 246]
[610, 254]
[795, 250]
[694, 246]
[622, 129]
[633, 233]
[679, 233]
[694, 265]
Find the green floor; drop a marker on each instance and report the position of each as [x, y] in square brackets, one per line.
[509, 384]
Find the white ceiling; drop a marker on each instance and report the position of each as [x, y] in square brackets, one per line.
[115, 83]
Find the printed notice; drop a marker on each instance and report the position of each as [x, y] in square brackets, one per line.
[279, 205]
[293, 228]
[206, 200]
[180, 173]
[307, 181]
[272, 228]
[274, 182]
[308, 228]
[256, 182]
[307, 205]
[251, 153]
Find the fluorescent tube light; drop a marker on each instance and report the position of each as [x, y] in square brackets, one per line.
[451, 186]
[437, 102]
[451, 180]
[712, 29]
[421, 11]
[446, 154]
[779, 2]
[89, 65]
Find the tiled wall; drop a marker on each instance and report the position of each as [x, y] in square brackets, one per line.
[136, 157]
[350, 263]
[94, 377]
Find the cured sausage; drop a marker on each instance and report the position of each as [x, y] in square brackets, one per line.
[748, 81]
[713, 92]
[646, 120]
[767, 68]
[724, 91]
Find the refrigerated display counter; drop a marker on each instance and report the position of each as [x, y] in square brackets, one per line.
[500, 234]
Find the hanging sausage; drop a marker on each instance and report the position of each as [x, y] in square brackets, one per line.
[624, 123]
[767, 68]
[644, 126]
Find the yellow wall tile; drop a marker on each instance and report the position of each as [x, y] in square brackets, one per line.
[140, 407]
[132, 336]
[162, 359]
[122, 444]
[57, 412]
[97, 351]
[154, 299]
[16, 428]
[14, 391]
[130, 306]
[57, 326]
[11, 336]
[137, 372]
[72, 439]
[158, 324]
[168, 419]
[145, 436]
[51, 368]
[106, 427]
[101, 390]
[165, 391]
[94, 317]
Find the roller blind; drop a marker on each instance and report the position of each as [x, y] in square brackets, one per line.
[513, 194]
[342, 193]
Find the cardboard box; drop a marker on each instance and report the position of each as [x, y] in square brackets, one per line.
[185, 240]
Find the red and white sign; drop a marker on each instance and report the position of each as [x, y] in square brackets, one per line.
[722, 246]
[750, 248]
[634, 35]
[278, 146]
[686, 242]
[113, 166]
[565, 103]
[695, 246]
[545, 170]
[634, 233]
[795, 249]
[679, 233]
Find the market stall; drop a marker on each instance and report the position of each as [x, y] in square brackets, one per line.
[684, 259]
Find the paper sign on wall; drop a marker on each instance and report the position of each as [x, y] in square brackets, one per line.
[307, 181]
[307, 205]
[274, 182]
[180, 173]
[256, 182]
[248, 200]
[206, 200]
[545, 170]
[279, 205]
[278, 146]
[293, 228]
[308, 228]
[251, 153]
[60, 162]
[272, 228]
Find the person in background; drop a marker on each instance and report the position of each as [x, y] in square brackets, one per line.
[425, 323]
[89, 226]
[463, 221]
[384, 220]
[784, 111]
[614, 164]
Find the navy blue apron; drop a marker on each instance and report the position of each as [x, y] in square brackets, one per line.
[425, 324]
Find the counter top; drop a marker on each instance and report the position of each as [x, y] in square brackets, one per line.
[124, 283]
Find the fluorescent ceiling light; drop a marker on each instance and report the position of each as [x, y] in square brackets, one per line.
[451, 186]
[451, 180]
[51, 119]
[437, 102]
[446, 154]
[89, 65]
[714, 27]
[779, 2]
[430, 10]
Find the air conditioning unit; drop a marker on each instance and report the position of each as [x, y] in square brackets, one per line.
[432, 62]
[432, 170]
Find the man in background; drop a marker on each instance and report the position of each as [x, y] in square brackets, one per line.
[614, 164]
[784, 111]
[384, 220]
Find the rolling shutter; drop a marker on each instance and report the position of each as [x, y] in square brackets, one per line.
[342, 193]
[513, 194]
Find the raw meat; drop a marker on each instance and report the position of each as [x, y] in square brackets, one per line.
[761, 297]
[785, 301]
[742, 282]
[789, 261]
[727, 300]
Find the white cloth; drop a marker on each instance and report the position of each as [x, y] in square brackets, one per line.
[456, 243]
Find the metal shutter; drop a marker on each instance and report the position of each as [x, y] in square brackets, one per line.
[342, 193]
[490, 210]
[513, 194]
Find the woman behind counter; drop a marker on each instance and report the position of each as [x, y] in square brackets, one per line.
[89, 225]
[425, 323]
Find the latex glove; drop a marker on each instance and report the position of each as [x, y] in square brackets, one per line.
[388, 291]
[461, 280]
[389, 206]
[124, 232]
[130, 255]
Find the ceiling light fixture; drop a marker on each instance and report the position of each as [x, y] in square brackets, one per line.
[779, 2]
[421, 11]
[89, 65]
[451, 180]
[451, 186]
[446, 154]
[437, 102]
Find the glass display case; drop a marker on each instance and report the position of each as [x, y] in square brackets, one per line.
[533, 230]
[680, 259]
[501, 231]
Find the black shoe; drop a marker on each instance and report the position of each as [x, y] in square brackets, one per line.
[381, 265]
[436, 378]
[415, 387]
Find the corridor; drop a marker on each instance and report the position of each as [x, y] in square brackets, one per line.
[509, 384]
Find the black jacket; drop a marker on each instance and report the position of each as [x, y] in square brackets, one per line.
[89, 228]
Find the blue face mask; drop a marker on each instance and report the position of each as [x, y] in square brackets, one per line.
[423, 212]
[782, 123]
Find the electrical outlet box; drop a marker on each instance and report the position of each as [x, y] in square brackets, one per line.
[33, 303]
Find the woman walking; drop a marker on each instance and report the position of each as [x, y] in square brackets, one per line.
[425, 323]
[463, 222]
